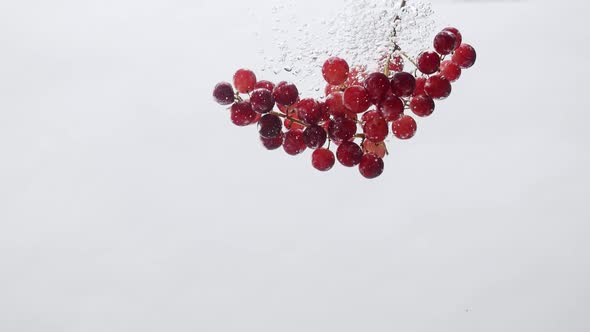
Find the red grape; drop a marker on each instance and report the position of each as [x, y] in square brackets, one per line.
[422, 105]
[405, 127]
[335, 70]
[335, 103]
[428, 62]
[244, 80]
[242, 113]
[403, 84]
[325, 111]
[285, 94]
[262, 100]
[445, 42]
[438, 87]
[450, 71]
[391, 107]
[371, 166]
[370, 115]
[464, 56]
[349, 154]
[323, 160]
[396, 63]
[223, 93]
[356, 99]
[377, 149]
[274, 142]
[377, 85]
[309, 111]
[342, 129]
[270, 126]
[376, 129]
[314, 137]
[268, 85]
[294, 143]
[458, 37]
[420, 83]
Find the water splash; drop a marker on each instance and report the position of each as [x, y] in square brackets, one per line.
[360, 32]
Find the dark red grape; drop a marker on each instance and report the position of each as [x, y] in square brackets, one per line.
[428, 62]
[422, 105]
[270, 126]
[242, 114]
[309, 111]
[294, 143]
[262, 100]
[445, 42]
[323, 160]
[371, 166]
[392, 108]
[438, 87]
[223, 93]
[285, 94]
[349, 154]
[314, 137]
[458, 37]
[342, 129]
[273, 143]
[377, 85]
[403, 84]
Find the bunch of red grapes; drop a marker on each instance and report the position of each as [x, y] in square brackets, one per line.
[359, 108]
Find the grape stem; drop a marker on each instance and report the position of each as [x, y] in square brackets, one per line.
[409, 59]
[396, 22]
[284, 116]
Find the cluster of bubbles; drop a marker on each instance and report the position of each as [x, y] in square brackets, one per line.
[363, 32]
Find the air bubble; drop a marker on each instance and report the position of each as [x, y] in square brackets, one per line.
[360, 32]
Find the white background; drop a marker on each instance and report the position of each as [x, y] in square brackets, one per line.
[128, 201]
